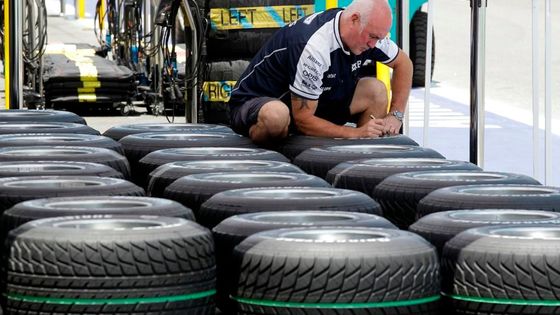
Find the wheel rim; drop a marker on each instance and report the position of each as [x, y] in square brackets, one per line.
[288, 193]
[508, 191]
[501, 216]
[302, 218]
[108, 224]
[459, 176]
[97, 204]
[209, 151]
[540, 232]
[333, 235]
[371, 148]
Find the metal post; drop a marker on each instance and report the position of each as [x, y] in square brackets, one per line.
[476, 96]
[535, 77]
[405, 46]
[13, 25]
[194, 59]
[548, 94]
[62, 7]
[147, 18]
[428, 73]
[481, 83]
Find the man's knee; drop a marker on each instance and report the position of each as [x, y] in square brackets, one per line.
[275, 117]
[370, 96]
[373, 88]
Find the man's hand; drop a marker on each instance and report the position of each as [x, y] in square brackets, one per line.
[373, 129]
[391, 125]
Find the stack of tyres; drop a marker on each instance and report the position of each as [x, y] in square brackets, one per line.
[75, 79]
[238, 29]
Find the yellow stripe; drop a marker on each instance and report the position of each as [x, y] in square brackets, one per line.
[329, 4]
[81, 9]
[7, 74]
[217, 91]
[257, 17]
[86, 90]
[91, 84]
[87, 98]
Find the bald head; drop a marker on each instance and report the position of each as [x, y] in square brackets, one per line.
[367, 10]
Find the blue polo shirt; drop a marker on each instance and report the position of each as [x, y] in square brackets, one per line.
[307, 58]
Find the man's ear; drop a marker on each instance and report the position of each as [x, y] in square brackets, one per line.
[355, 17]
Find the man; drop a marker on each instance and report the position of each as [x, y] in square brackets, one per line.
[307, 77]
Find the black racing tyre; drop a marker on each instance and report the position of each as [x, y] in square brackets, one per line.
[45, 127]
[166, 174]
[18, 189]
[193, 190]
[91, 205]
[440, 227]
[220, 79]
[13, 115]
[158, 158]
[324, 270]
[529, 197]
[139, 145]
[118, 132]
[318, 161]
[110, 265]
[506, 270]
[418, 47]
[294, 145]
[400, 194]
[64, 153]
[59, 139]
[48, 168]
[238, 201]
[232, 231]
[364, 175]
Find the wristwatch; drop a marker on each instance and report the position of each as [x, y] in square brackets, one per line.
[398, 115]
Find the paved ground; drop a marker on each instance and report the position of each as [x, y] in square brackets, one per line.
[508, 144]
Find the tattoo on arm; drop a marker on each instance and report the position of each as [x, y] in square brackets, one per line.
[304, 104]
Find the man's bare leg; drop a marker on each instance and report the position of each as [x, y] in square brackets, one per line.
[272, 123]
[370, 98]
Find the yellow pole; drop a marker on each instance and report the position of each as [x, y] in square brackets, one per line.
[384, 75]
[102, 15]
[81, 9]
[331, 4]
[7, 75]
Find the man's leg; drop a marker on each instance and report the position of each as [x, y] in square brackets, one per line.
[272, 123]
[370, 98]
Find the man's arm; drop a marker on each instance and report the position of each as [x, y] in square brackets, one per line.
[401, 84]
[303, 111]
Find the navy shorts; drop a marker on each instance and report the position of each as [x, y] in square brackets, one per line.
[244, 116]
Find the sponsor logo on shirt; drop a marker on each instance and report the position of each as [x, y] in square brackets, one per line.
[315, 61]
[356, 65]
[308, 85]
[310, 76]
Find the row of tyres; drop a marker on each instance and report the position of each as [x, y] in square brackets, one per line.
[74, 76]
[334, 253]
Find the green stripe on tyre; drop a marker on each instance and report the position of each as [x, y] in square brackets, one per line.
[119, 301]
[337, 305]
[503, 301]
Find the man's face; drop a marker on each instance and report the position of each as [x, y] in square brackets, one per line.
[365, 38]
